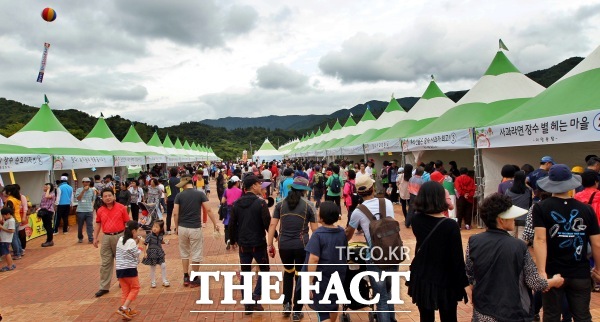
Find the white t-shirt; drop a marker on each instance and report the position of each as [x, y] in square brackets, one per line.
[205, 174]
[266, 173]
[344, 173]
[369, 171]
[161, 187]
[5, 236]
[358, 217]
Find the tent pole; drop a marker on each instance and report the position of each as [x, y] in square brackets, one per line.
[364, 153]
[479, 181]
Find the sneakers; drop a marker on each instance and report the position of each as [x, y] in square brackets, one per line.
[48, 244]
[467, 227]
[124, 313]
[228, 245]
[153, 284]
[101, 292]
[168, 232]
[195, 282]
[166, 283]
[297, 316]
[80, 241]
[287, 310]
[186, 281]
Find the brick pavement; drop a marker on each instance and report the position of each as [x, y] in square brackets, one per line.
[58, 284]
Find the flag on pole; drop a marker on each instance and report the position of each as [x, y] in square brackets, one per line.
[502, 45]
[46, 99]
[432, 78]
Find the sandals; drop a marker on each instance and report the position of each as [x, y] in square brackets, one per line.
[6, 268]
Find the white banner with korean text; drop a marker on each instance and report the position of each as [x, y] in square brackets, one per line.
[153, 159]
[391, 145]
[353, 150]
[121, 161]
[567, 128]
[25, 162]
[452, 140]
[62, 162]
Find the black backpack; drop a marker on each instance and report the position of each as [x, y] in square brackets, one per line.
[336, 184]
[318, 181]
[356, 199]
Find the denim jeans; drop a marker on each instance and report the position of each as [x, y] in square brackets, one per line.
[16, 243]
[577, 291]
[260, 255]
[87, 218]
[383, 288]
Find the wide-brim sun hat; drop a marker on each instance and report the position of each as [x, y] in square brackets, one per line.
[301, 183]
[559, 180]
[513, 212]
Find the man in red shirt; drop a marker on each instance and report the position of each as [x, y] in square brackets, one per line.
[465, 191]
[111, 218]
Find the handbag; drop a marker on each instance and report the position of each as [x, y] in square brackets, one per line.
[223, 211]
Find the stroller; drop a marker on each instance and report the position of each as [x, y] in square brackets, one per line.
[150, 212]
[357, 252]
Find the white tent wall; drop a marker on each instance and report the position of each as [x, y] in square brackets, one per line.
[572, 154]
[31, 183]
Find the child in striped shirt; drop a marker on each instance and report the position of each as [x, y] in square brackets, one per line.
[127, 260]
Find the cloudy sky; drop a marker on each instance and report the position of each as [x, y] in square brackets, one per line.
[165, 62]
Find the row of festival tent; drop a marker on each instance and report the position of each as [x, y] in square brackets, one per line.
[44, 144]
[503, 109]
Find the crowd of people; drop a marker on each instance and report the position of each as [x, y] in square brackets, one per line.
[541, 241]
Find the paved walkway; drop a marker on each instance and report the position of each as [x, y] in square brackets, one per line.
[58, 284]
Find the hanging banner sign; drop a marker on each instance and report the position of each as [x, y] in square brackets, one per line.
[353, 150]
[24, 162]
[569, 128]
[40, 77]
[452, 140]
[153, 159]
[80, 162]
[320, 153]
[121, 161]
[334, 151]
[391, 145]
[172, 159]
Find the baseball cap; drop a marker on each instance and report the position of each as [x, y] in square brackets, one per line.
[547, 159]
[363, 184]
[251, 180]
[437, 177]
[64, 178]
[86, 179]
[234, 179]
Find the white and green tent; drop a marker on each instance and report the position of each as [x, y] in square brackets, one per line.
[184, 155]
[332, 146]
[432, 103]
[16, 158]
[172, 153]
[44, 134]
[366, 122]
[102, 138]
[156, 146]
[267, 152]
[133, 142]
[562, 121]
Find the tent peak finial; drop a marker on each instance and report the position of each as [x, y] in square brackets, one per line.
[101, 114]
[432, 77]
[46, 99]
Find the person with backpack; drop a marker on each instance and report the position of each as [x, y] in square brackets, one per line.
[334, 186]
[294, 215]
[383, 237]
[437, 272]
[318, 184]
[351, 197]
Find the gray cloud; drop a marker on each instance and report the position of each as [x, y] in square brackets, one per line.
[187, 22]
[279, 76]
[454, 54]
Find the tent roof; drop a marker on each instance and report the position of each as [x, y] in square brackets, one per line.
[337, 125]
[495, 94]
[8, 146]
[101, 130]
[178, 144]
[102, 138]
[167, 143]
[368, 116]
[132, 136]
[576, 92]
[267, 146]
[45, 134]
[154, 140]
